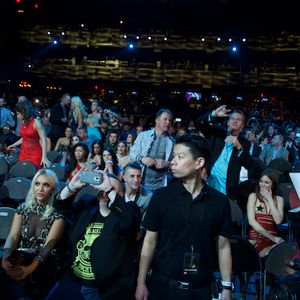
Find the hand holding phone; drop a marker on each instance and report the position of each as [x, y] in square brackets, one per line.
[90, 177]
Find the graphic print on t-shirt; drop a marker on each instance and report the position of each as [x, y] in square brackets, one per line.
[82, 265]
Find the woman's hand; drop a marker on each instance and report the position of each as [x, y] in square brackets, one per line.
[46, 162]
[266, 193]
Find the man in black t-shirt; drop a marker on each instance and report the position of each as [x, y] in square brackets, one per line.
[184, 222]
[103, 245]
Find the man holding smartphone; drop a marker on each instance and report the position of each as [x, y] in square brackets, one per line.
[103, 245]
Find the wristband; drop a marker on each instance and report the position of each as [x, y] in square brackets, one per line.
[109, 190]
[226, 283]
[213, 114]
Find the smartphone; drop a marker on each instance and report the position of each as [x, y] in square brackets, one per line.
[178, 120]
[90, 177]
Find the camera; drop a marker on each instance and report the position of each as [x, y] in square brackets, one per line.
[90, 177]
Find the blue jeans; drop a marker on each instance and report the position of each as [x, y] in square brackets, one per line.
[67, 288]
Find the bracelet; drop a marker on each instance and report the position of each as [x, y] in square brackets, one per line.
[69, 189]
[109, 190]
[40, 259]
[213, 114]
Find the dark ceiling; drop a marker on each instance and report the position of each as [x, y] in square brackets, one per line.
[195, 16]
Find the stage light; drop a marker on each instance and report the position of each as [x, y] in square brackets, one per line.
[121, 22]
[82, 25]
[125, 36]
[36, 6]
[203, 40]
[165, 38]
[131, 46]
[48, 32]
[63, 33]
[234, 49]
[149, 38]
[137, 37]
[18, 1]
[29, 66]
[55, 42]
[230, 40]
[244, 40]
[218, 39]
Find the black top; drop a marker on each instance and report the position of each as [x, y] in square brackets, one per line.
[180, 220]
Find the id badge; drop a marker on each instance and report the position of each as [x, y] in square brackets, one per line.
[191, 263]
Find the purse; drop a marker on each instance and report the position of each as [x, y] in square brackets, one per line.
[22, 256]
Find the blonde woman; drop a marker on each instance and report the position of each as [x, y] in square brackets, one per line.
[36, 226]
[77, 113]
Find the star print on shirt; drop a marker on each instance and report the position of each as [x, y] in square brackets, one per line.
[259, 208]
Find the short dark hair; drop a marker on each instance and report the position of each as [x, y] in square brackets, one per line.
[238, 111]
[133, 165]
[163, 110]
[197, 145]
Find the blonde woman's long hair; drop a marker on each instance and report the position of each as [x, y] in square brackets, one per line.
[77, 106]
[31, 200]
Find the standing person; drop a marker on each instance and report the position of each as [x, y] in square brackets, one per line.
[186, 223]
[265, 211]
[103, 245]
[33, 142]
[38, 226]
[230, 150]
[153, 149]
[76, 113]
[6, 116]
[59, 118]
[93, 122]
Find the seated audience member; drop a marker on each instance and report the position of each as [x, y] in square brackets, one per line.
[274, 150]
[103, 245]
[265, 210]
[111, 164]
[7, 137]
[112, 140]
[36, 226]
[122, 154]
[84, 138]
[63, 145]
[129, 141]
[74, 140]
[126, 129]
[95, 156]
[78, 160]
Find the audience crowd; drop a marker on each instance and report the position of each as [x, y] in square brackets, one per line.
[93, 239]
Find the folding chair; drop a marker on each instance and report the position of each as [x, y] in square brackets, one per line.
[245, 262]
[54, 156]
[24, 169]
[6, 218]
[59, 171]
[16, 189]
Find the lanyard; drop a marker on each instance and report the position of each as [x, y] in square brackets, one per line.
[186, 218]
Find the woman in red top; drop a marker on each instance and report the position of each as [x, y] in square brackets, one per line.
[265, 211]
[33, 141]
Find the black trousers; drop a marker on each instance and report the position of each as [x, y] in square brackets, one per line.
[160, 289]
